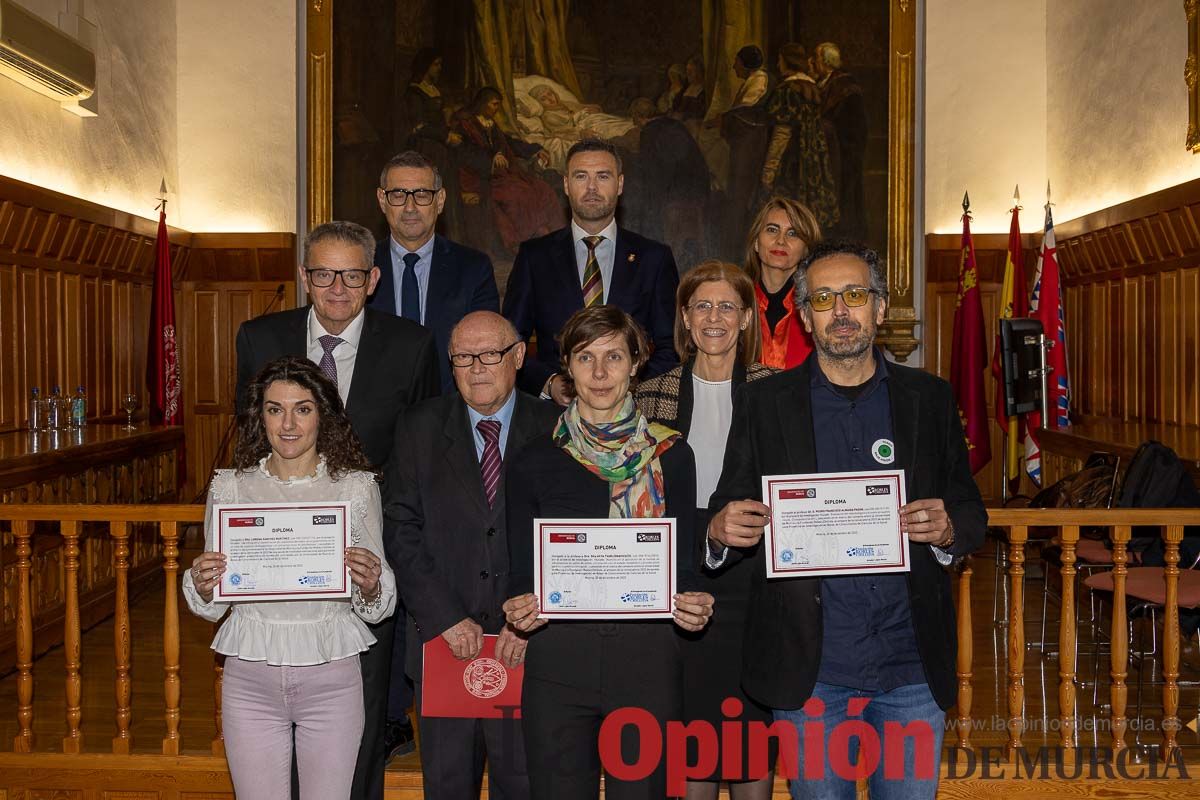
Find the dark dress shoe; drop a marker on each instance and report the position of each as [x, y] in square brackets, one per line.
[399, 740]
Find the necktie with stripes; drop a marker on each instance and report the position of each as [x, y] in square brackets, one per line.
[593, 285]
[489, 465]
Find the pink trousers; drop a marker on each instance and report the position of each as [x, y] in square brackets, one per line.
[260, 704]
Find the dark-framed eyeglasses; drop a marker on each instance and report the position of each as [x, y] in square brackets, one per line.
[705, 307]
[853, 297]
[323, 278]
[487, 357]
[399, 197]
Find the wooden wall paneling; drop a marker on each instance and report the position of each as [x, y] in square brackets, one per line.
[212, 314]
[1165, 368]
[12, 350]
[31, 342]
[49, 320]
[71, 351]
[75, 289]
[1189, 348]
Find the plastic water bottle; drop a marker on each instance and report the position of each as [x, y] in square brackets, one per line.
[54, 410]
[79, 408]
[37, 418]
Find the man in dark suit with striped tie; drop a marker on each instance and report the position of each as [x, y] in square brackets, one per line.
[444, 529]
[612, 265]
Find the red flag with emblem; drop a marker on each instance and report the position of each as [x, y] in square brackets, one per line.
[1046, 304]
[968, 359]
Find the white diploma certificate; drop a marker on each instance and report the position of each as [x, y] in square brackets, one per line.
[835, 523]
[604, 568]
[286, 551]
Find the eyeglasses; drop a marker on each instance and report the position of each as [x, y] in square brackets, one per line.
[853, 297]
[399, 197]
[487, 357]
[705, 307]
[351, 278]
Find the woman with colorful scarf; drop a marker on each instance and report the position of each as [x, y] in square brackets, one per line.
[603, 460]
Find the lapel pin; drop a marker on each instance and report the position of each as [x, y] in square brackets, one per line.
[632, 258]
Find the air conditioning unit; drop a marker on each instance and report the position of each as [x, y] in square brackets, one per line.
[38, 55]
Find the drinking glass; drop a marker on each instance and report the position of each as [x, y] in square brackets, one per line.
[130, 404]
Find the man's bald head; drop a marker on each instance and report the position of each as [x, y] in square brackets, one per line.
[485, 335]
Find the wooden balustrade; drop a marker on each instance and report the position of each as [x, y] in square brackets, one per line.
[1017, 536]
[122, 521]
[119, 519]
[1118, 638]
[1068, 522]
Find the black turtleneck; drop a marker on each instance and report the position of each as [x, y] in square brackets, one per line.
[776, 310]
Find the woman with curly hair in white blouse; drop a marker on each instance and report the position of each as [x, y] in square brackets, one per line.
[295, 663]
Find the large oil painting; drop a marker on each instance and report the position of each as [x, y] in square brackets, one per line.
[714, 106]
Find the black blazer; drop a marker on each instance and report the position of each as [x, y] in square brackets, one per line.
[670, 397]
[772, 434]
[461, 280]
[543, 292]
[448, 547]
[395, 368]
[544, 481]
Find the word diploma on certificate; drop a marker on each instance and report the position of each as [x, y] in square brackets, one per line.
[288, 551]
[604, 568]
[835, 523]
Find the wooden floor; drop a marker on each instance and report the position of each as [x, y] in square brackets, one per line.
[197, 723]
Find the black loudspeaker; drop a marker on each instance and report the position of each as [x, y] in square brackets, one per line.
[1020, 353]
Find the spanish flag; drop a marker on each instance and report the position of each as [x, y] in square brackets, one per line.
[1013, 303]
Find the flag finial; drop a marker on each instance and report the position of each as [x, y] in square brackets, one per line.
[162, 195]
[966, 204]
[1048, 194]
[1017, 195]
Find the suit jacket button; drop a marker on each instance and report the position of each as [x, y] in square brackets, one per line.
[817, 599]
[483, 616]
[483, 574]
[491, 531]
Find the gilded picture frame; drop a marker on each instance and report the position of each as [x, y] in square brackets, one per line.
[897, 333]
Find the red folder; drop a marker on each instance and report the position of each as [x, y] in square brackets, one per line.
[482, 688]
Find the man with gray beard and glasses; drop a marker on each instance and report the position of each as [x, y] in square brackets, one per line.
[879, 646]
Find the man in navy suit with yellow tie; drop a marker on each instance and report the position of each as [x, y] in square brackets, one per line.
[425, 277]
[588, 263]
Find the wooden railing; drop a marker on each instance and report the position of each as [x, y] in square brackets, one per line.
[119, 518]
[48, 769]
[1118, 523]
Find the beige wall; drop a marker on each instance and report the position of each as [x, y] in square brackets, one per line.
[985, 110]
[1086, 93]
[1117, 104]
[201, 92]
[118, 158]
[237, 115]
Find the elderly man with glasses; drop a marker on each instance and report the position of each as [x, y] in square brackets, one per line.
[876, 648]
[423, 276]
[444, 528]
[381, 364]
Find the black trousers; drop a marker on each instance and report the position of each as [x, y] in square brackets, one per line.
[453, 752]
[376, 673]
[579, 674]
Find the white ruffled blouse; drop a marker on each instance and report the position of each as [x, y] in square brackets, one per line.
[298, 633]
